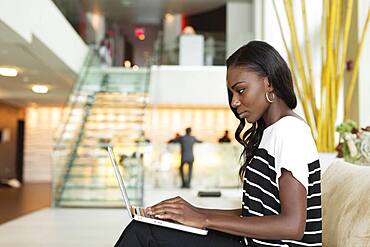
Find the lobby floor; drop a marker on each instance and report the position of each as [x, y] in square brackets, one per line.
[17, 202]
[59, 227]
[65, 227]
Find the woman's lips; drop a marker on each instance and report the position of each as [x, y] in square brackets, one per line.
[243, 114]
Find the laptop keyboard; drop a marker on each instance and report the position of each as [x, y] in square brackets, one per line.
[141, 212]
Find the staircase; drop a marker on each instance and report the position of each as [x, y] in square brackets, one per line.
[106, 109]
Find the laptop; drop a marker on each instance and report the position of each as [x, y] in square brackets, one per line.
[138, 214]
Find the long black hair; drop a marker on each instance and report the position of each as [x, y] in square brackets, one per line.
[263, 59]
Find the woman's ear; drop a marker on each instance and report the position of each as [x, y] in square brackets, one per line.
[268, 85]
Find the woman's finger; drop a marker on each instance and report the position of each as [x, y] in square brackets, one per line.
[152, 210]
[171, 200]
[163, 211]
[170, 216]
[174, 199]
[160, 208]
[161, 205]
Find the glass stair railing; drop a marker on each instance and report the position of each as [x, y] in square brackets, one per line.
[106, 109]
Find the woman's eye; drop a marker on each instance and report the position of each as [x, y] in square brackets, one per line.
[240, 91]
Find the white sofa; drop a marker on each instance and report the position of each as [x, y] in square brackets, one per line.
[346, 205]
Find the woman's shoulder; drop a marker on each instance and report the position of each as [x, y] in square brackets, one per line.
[289, 135]
[289, 125]
[295, 134]
[293, 131]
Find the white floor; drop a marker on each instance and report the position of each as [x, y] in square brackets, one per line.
[91, 227]
[65, 227]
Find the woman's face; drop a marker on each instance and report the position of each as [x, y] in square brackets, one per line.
[248, 93]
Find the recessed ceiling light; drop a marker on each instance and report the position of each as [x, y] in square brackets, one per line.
[9, 72]
[135, 68]
[40, 89]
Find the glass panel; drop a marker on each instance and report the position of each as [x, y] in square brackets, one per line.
[105, 108]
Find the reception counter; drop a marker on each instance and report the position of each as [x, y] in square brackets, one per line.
[215, 165]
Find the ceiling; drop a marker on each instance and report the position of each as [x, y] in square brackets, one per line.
[138, 11]
[36, 65]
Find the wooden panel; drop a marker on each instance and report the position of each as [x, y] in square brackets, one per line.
[9, 116]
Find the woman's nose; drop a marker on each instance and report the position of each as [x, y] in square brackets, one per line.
[235, 103]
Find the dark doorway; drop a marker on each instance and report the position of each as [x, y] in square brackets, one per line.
[20, 150]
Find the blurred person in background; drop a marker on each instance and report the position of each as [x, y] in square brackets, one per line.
[177, 135]
[186, 142]
[225, 138]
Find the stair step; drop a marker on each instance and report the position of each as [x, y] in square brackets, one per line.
[105, 128]
[115, 121]
[117, 112]
[117, 145]
[94, 203]
[124, 136]
[121, 100]
[102, 203]
[119, 106]
[120, 94]
[96, 187]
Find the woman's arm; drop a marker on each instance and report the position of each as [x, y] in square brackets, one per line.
[204, 211]
[289, 224]
[225, 212]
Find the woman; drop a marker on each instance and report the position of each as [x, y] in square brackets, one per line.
[281, 172]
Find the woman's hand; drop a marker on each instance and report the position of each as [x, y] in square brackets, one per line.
[179, 210]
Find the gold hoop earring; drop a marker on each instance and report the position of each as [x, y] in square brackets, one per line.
[268, 99]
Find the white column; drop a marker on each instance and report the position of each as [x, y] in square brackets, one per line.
[239, 24]
[258, 15]
[171, 28]
[98, 24]
[191, 50]
[171, 33]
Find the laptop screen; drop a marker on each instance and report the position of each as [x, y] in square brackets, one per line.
[120, 181]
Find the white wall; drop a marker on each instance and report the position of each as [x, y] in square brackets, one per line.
[42, 20]
[192, 85]
[41, 124]
[364, 69]
[191, 50]
[18, 22]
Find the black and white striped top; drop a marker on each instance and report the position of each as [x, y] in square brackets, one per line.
[288, 144]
